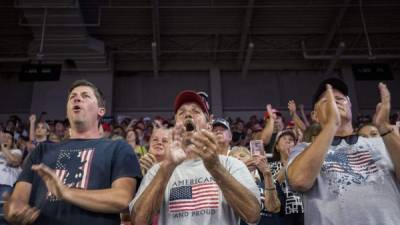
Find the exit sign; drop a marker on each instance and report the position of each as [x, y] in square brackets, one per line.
[372, 72]
[40, 72]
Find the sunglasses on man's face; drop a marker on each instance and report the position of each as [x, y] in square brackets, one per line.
[351, 139]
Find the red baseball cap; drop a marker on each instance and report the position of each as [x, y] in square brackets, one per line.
[188, 96]
[277, 112]
[106, 127]
[290, 124]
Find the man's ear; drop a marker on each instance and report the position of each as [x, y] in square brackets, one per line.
[101, 112]
[348, 99]
[230, 136]
[209, 126]
[210, 120]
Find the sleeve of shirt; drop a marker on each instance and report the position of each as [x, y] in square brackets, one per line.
[16, 152]
[143, 185]
[299, 148]
[33, 158]
[242, 174]
[125, 163]
[380, 153]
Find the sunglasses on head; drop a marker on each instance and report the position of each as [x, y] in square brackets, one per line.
[351, 139]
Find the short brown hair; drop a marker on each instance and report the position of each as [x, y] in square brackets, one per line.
[99, 95]
[46, 125]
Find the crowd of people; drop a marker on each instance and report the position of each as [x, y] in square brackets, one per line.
[324, 167]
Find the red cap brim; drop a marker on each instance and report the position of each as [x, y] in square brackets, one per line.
[189, 96]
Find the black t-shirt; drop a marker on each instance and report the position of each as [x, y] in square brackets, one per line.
[80, 163]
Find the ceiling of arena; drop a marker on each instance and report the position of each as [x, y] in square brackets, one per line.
[128, 35]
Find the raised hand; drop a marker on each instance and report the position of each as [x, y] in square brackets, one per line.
[299, 134]
[327, 110]
[18, 212]
[251, 164]
[53, 183]
[157, 124]
[270, 112]
[381, 117]
[131, 123]
[175, 153]
[146, 162]
[261, 164]
[205, 146]
[292, 106]
[32, 118]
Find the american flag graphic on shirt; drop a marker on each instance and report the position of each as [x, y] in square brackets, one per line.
[73, 167]
[359, 164]
[195, 197]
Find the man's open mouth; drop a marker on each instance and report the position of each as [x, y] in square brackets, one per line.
[189, 126]
[76, 108]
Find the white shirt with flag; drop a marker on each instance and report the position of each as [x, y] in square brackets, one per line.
[356, 185]
[193, 197]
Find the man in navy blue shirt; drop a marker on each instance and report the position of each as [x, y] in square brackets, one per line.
[84, 180]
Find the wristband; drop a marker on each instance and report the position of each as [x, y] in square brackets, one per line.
[270, 189]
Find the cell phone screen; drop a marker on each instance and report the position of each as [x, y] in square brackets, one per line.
[257, 147]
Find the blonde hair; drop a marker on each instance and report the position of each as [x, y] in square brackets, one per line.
[239, 149]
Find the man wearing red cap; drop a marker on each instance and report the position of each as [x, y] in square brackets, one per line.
[194, 184]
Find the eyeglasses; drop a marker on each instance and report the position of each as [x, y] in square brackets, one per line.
[351, 139]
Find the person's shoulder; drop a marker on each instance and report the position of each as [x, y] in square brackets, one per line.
[373, 140]
[78, 143]
[229, 161]
[93, 141]
[302, 145]
[120, 143]
[374, 144]
[112, 144]
[119, 146]
[227, 158]
[16, 151]
[45, 145]
[298, 148]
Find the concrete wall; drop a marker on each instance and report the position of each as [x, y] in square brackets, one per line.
[139, 94]
[24, 98]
